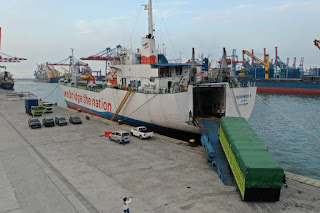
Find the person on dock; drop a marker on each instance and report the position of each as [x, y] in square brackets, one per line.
[223, 112]
[218, 113]
[126, 202]
[190, 116]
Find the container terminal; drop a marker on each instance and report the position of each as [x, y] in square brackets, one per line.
[74, 168]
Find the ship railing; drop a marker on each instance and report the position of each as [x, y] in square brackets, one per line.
[19, 96]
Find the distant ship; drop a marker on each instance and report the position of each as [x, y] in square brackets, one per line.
[47, 74]
[276, 77]
[288, 81]
[6, 80]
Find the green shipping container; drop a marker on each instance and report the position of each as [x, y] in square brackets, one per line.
[257, 165]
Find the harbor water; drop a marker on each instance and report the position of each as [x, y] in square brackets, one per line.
[287, 124]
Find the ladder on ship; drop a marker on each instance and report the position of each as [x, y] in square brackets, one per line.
[124, 100]
[215, 154]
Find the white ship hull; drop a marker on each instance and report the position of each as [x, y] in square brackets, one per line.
[169, 110]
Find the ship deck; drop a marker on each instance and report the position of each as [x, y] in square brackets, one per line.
[74, 168]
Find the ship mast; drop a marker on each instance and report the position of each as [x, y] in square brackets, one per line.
[148, 50]
[150, 19]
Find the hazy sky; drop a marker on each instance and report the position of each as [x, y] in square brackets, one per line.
[42, 30]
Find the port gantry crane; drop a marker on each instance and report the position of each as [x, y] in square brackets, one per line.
[264, 63]
[317, 43]
[8, 58]
[106, 55]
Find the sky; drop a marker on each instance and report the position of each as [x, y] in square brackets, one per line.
[44, 31]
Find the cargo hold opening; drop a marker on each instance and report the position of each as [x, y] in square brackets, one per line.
[208, 101]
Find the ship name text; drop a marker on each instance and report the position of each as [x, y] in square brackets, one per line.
[87, 100]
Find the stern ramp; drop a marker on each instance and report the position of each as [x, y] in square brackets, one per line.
[215, 154]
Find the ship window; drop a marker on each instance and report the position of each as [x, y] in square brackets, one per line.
[152, 79]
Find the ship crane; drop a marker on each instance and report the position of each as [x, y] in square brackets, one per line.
[317, 43]
[66, 73]
[264, 63]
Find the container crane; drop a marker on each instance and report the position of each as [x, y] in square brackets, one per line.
[106, 55]
[264, 63]
[7, 58]
[301, 64]
[294, 63]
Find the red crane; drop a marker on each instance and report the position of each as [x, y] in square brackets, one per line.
[8, 58]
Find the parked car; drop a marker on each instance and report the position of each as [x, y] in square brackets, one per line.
[48, 122]
[34, 123]
[120, 136]
[61, 121]
[75, 120]
[141, 132]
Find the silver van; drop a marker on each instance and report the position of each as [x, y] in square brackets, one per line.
[120, 137]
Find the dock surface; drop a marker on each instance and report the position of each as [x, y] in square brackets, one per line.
[74, 168]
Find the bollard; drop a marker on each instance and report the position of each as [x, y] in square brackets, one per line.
[192, 142]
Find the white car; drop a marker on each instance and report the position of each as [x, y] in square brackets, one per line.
[120, 137]
[48, 106]
[141, 132]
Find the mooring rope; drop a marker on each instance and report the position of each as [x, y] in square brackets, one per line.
[296, 123]
[51, 91]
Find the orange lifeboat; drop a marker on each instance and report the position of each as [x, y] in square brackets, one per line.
[88, 77]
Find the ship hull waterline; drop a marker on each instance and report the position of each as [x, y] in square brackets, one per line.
[49, 80]
[160, 111]
[286, 90]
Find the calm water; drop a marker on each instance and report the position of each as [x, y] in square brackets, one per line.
[52, 91]
[296, 150]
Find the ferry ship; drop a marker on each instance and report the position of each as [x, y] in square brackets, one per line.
[143, 88]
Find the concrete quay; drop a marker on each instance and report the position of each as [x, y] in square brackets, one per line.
[74, 168]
